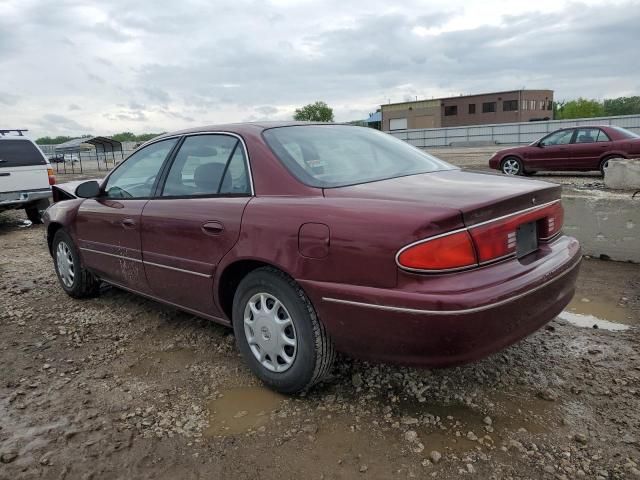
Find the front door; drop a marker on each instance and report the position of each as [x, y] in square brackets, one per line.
[590, 144]
[195, 220]
[553, 152]
[108, 227]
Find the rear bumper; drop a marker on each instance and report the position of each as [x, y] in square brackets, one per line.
[11, 200]
[487, 310]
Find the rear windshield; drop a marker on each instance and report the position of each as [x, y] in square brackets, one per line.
[626, 133]
[327, 156]
[19, 153]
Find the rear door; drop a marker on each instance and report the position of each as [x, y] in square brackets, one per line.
[108, 227]
[23, 167]
[589, 145]
[553, 152]
[195, 220]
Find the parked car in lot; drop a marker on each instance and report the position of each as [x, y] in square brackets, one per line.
[312, 238]
[26, 175]
[579, 149]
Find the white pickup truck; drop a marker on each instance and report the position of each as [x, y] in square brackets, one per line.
[26, 175]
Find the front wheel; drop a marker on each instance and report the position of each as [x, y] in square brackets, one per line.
[512, 166]
[74, 279]
[278, 332]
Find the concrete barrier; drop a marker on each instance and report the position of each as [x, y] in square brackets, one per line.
[606, 223]
[622, 174]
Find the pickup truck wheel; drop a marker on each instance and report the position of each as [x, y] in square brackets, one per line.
[36, 210]
[74, 279]
[278, 332]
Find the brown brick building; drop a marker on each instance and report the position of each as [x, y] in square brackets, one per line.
[486, 108]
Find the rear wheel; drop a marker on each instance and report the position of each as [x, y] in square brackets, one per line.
[35, 211]
[75, 280]
[278, 332]
[605, 162]
[512, 166]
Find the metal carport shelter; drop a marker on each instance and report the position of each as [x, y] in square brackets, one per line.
[102, 145]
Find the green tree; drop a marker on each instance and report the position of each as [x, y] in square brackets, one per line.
[314, 112]
[55, 140]
[132, 137]
[622, 106]
[124, 137]
[579, 108]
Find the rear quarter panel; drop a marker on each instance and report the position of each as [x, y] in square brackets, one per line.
[365, 236]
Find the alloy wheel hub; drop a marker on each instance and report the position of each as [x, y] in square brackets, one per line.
[64, 261]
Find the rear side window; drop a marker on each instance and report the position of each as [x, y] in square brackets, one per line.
[19, 153]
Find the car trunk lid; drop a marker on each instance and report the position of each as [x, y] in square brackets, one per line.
[478, 196]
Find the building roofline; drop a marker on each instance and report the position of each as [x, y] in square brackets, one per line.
[382, 105]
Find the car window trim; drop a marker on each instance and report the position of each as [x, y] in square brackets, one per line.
[608, 138]
[165, 173]
[153, 188]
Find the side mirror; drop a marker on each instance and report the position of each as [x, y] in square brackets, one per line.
[541, 144]
[90, 189]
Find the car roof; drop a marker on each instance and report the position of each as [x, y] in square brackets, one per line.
[239, 128]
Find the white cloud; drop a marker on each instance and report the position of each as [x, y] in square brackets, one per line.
[71, 66]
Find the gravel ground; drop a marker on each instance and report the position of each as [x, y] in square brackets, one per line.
[122, 387]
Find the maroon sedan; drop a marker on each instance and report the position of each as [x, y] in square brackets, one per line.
[310, 238]
[579, 149]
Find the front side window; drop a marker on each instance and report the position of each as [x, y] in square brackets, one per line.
[136, 177]
[561, 137]
[327, 156]
[208, 165]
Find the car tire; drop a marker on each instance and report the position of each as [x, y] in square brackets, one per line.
[605, 161]
[512, 166]
[35, 210]
[285, 345]
[75, 280]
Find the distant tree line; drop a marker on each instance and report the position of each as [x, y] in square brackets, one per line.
[120, 137]
[586, 108]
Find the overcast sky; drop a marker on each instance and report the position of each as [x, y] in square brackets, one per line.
[69, 67]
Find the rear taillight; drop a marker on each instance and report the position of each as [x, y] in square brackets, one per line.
[446, 252]
[551, 225]
[479, 244]
[52, 177]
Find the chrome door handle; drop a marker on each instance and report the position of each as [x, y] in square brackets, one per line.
[212, 228]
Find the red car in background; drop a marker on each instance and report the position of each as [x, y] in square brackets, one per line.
[573, 149]
[308, 239]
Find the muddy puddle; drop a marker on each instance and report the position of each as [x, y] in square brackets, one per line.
[239, 410]
[459, 428]
[590, 313]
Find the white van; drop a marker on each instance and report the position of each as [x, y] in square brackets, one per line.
[26, 175]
